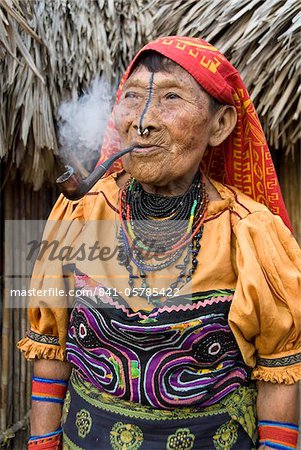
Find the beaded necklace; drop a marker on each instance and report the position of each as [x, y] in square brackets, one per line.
[160, 228]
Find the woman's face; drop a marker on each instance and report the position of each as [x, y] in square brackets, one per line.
[179, 117]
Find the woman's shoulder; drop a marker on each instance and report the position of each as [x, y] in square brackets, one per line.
[249, 216]
[246, 205]
[240, 203]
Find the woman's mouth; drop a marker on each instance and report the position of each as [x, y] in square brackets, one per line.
[143, 149]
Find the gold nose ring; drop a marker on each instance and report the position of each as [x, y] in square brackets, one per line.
[142, 132]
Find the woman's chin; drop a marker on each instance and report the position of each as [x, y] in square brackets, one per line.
[145, 172]
[145, 176]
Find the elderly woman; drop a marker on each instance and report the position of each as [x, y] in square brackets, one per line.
[185, 328]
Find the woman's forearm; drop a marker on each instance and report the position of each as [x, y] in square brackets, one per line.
[278, 402]
[46, 416]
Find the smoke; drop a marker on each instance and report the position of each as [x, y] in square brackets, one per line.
[82, 123]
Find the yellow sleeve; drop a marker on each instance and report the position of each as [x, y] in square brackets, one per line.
[48, 309]
[265, 315]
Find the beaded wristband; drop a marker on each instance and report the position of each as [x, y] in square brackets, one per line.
[278, 435]
[49, 441]
[46, 390]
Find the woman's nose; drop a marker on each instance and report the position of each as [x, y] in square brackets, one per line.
[148, 118]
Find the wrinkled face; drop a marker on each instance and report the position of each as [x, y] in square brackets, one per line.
[179, 117]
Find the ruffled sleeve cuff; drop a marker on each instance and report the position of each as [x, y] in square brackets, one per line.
[41, 346]
[284, 369]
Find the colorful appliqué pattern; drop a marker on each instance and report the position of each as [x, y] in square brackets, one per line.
[83, 423]
[182, 439]
[226, 436]
[68, 445]
[187, 355]
[115, 405]
[241, 406]
[66, 407]
[126, 436]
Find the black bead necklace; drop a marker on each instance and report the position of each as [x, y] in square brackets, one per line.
[163, 227]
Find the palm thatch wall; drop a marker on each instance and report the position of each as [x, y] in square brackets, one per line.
[51, 50]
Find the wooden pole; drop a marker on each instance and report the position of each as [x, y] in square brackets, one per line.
[22, 309]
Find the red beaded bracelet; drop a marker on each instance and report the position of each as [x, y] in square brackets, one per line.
[278, 435]
[47, 443]
[47, 390]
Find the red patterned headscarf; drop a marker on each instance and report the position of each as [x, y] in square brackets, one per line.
[243, 160]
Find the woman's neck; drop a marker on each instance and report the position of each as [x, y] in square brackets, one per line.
[176, 188]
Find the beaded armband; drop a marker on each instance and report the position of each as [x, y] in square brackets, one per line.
[46, 390]
[278, 435]
[50, 441]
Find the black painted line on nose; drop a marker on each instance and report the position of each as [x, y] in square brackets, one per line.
[148, 101]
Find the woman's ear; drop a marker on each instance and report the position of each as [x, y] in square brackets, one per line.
[224, 122]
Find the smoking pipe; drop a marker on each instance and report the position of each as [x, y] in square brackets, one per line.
[74, 187]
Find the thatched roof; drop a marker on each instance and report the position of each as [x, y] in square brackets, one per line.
[51, 50]
[261, 38]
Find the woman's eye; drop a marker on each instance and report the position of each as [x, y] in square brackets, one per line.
[130, 94]
[172, 96]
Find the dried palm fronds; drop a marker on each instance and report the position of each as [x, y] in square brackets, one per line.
[51, 51]
[261, 38]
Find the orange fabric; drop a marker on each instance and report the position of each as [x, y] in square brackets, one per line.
[49, 315]
[244, 247]
[243, 160]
